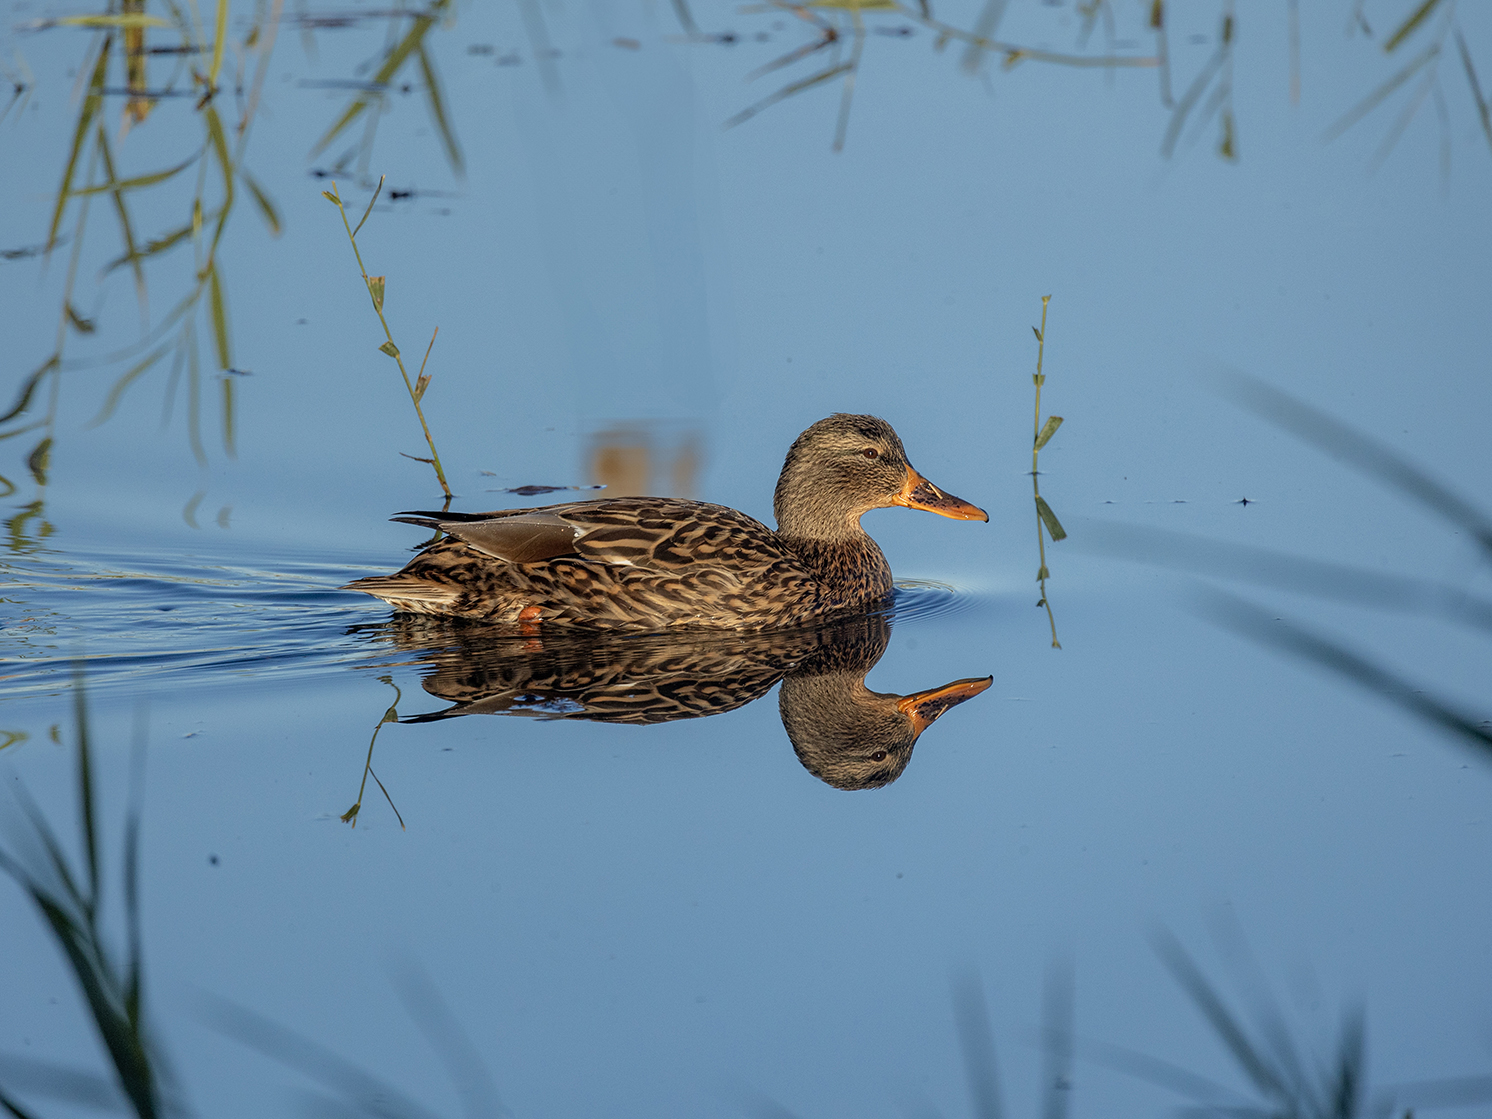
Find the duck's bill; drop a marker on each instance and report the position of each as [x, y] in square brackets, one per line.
[919, 493]
[924, 707]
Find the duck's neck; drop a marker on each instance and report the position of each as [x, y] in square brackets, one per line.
[852, 569]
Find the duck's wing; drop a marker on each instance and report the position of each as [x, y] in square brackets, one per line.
[656, 534]
[527, 537]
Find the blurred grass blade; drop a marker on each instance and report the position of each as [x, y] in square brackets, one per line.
[787, 91]
[85, 785]
[219, 40]
[91, 103]
[971, 1015]
[1048, 518]
[127, 19]
[360, 1092]
[1232, 1034]
[1248, 620]
[1407, 28]
[1372, 100]
[685, 17]
[1048, 429]
[117, 186]
[1291, 572]
[219, 317]
[13, 1108]
[390, 349]
[230, 441]
[1391, 140]
[125, 227]
[375, 289]
[23, 398]
[116, 393]
[1351, 1062]
[1188, 100]
[263, 201]
[1476, 88]
[39, 459]
[77, 321]
[1367, 455]
[1057, 1037]
[396, 57]
[438, 111]
[225, 164]
[984, 28]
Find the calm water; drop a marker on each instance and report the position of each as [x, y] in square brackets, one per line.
[679, 917]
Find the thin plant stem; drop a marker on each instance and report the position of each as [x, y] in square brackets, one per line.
[1038, 379]
[389, 346]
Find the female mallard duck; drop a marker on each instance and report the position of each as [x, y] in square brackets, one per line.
[656, 562]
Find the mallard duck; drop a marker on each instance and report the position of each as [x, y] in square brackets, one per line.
[657, 563]
[842, 732]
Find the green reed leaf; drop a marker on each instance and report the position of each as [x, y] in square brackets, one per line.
[1048, 429]
[390, 349]
[1048, 518]
[375, 289]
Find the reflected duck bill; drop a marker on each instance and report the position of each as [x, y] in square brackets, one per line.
[919, 493]
[923, 708]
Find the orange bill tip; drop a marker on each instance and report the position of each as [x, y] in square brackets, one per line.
[919, 493]
[924, 707]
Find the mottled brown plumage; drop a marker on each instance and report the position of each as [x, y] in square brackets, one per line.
[659, 563]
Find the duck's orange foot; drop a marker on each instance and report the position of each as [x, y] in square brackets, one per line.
[528, 620]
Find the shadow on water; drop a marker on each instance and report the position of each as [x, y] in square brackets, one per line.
[842, 732]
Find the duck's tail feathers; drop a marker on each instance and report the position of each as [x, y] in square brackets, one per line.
[419, 596]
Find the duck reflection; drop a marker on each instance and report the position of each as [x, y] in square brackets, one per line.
[843, 733]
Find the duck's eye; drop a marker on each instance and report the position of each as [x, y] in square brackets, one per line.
[878, 756]
[871, 452]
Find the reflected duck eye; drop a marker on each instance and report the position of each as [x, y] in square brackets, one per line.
[871, 452]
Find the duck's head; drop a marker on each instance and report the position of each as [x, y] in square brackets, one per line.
[845, 466]
[854, 738]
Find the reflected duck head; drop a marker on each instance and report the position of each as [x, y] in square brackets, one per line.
[843, 467]
[853, 738]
